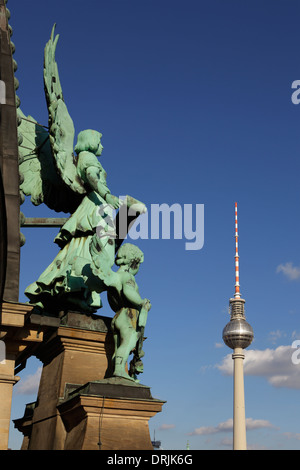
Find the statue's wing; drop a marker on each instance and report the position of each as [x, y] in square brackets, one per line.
[103, 262]
[39, 176]
[61, 127]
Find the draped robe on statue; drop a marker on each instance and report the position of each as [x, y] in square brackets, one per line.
[69, 275]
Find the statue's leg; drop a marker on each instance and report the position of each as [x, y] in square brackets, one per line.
[136, 364]
[127, 340]
[116, 343]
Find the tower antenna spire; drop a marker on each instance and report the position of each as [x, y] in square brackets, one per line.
[237, 294]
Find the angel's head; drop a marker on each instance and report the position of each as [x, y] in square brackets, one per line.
[131, 256]
[89, 141]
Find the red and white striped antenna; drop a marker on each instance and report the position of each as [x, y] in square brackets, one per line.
[237, 294]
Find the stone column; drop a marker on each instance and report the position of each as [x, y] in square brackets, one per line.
[18, 336]
[239, 419]
[7, 381]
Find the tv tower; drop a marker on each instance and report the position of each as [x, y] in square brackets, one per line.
[238, 335]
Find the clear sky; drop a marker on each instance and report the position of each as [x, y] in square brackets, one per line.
[193, 99]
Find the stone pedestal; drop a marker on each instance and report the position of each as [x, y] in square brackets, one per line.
[76, 399]
[111, 414]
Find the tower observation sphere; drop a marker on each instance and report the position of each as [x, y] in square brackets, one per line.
[237, 333]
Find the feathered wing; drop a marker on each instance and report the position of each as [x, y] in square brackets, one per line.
[102, 263]
[39, 176]
[61, 127]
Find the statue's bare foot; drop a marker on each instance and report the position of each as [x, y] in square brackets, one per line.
[124, 375]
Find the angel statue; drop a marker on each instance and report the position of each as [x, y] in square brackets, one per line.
[131, 309]
[74, 182]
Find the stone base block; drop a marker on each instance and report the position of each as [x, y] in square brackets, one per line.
[110, 414]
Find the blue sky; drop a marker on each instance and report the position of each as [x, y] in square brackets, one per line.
[194, 103]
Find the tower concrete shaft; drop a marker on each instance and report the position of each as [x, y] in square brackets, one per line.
[239, 416]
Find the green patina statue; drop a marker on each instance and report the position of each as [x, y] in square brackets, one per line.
[131, 310]
[75, 182]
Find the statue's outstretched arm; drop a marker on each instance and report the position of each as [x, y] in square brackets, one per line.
[93, 178]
